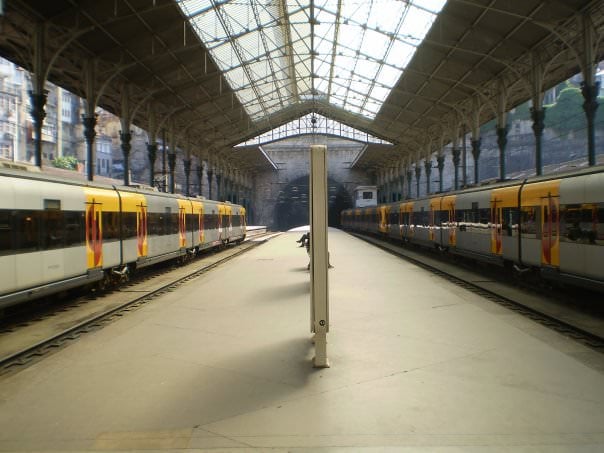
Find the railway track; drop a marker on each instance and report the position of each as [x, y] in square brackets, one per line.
[25, 341]
[556, 313]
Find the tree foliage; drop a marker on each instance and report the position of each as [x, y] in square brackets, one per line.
[567, 113]
[66, 162]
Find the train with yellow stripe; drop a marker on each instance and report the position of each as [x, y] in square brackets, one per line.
[553, 225]
[58, 234]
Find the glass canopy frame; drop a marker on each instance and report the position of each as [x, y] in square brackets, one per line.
[313, 123]
[278, 53]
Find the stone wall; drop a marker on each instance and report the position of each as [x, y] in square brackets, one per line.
[281, 196]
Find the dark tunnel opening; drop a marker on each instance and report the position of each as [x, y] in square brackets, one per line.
[292, 205]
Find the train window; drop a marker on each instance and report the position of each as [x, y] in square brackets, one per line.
[167, 221]
[52, 204]
[27, 228]
[52, 229]
[6, 231]
[474, 214]
[484, 216]
[191, 221]
[175, 229]
[236, 221]
[74, 228]
[423, 218]
[128, 225]
[582, 223]
[509, 222]
[211, 221]
[155, 223]
[528, 221]
[110, 225]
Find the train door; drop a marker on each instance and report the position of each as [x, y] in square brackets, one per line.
[496, 225]
[550, 227]
[182, 223]
[450, 235]
[94, 233]
[221, 210]
[401, 220]
[383, 214]
[411, 220]
[228, 211]
[243, 222]
[141, 228]
[434, 220]
[201, 224]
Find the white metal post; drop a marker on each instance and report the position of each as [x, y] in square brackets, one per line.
[319, 259]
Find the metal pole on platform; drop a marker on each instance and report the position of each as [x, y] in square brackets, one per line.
[319, 257]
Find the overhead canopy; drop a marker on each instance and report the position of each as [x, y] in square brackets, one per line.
[224, 71]
[277, 54]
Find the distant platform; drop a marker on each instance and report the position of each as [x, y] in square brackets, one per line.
[302, 228]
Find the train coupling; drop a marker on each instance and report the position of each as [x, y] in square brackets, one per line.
[521, 270]
[122, 273]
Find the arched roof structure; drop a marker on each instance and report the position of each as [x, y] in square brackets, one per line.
[222, 72]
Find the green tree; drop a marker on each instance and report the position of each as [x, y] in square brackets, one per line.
[66, 162]
[567, 113]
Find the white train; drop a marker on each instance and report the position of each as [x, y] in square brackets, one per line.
[552, 224]
[57, 234]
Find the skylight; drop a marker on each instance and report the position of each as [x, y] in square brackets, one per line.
[313, 123]
[348, 53]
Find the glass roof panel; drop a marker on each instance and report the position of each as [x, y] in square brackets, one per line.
[263, 47]
[313, 123]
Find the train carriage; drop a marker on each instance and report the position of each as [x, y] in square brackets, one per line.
[238, 224]
[57, 234]
[46, 243]
[473, 218]
[581, 230]
[552, 224]
[164, 235]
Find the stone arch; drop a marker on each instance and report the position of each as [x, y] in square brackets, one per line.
[291, 208]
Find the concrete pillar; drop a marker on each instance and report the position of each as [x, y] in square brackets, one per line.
[38, 101]
[219, 190]
[152, 153]
[538, 117]
[440, 163]
[210, 174]
[38, 94]
[589, 87]
[199, 171]
[125, 138]
[172, 167]
[476, 154]
[187, 167]
[590, 94]
[89, 122]
[456, 152]
[172, 161]
[428, 167]
[502, 140]
[418, 174]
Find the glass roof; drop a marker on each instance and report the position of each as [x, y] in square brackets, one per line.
[277, 53]
[313, 123]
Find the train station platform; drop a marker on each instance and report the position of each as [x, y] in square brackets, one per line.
[224, 364]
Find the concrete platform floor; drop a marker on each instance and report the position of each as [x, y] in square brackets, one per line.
[224, 364]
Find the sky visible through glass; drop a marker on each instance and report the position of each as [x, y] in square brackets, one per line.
[277, 53]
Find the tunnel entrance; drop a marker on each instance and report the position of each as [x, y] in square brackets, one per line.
[291, 209]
